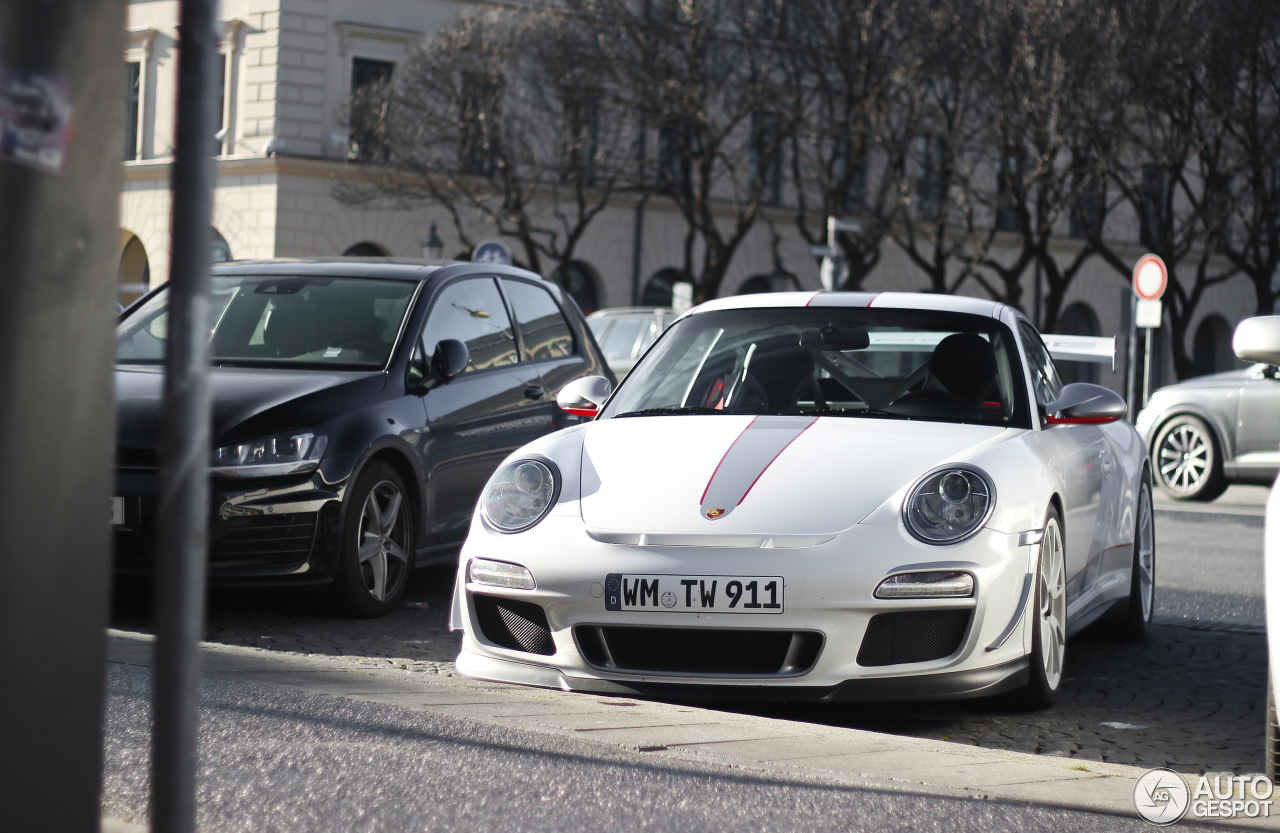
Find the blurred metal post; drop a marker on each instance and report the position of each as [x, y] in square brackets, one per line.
[61, 111]
[184, 496]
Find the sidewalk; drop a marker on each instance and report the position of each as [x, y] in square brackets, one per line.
[839, 755]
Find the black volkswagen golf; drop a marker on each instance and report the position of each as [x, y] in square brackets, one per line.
[359, 406]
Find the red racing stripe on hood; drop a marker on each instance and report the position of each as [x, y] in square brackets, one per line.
[749, 456]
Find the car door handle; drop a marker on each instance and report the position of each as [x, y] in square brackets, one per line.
[535, 392]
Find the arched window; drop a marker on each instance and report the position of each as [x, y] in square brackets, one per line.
[365, 249]
[221, 252]
[755, 285]
[134, 277]
[579, 280]
[658, 291]
[1211, 350]
[1078, 320]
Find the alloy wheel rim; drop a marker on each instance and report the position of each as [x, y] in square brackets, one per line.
[1184, 458]
[383, 537]
[1053, 605]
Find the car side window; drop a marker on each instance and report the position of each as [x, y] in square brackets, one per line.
[544, 332]
[472, 312]
[1044, 374]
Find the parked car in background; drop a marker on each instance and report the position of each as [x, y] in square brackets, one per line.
[1258, 340]
[359, 405]
[1211, 431]
[625, 333]
[816, 495]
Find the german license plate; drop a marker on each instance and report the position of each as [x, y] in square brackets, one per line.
[693, 594]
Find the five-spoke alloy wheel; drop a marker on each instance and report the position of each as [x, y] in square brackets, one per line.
[376, 549]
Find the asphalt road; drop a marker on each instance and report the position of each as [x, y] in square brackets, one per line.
[1191, 698]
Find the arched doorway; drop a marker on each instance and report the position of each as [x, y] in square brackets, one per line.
[755, 285]
[220, 250]
[659, 290]
[1079, 319]
[365, 249]
[579, 280]
[133, 279]
[1211, 350]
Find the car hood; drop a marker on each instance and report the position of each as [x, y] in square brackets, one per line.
[245, 401]
[768, 475]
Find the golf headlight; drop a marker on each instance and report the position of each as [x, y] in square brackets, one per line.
[948, 505]
[519, 494]
[296, 452]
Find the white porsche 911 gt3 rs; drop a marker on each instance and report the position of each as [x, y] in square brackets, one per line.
[816, 495]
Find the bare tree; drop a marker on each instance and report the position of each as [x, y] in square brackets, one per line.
[504, 115]
[704, 78]
[1050, 69]
[854, 73]
[1170, 172]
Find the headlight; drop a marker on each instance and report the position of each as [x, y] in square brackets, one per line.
[948, 505]
[519, 495]
[296, 452]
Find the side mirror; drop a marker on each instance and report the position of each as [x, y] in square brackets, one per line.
[1081, 403]
[450, 358]
[1258, 339]
[583, 397]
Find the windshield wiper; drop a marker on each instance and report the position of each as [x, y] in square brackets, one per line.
[688, 409]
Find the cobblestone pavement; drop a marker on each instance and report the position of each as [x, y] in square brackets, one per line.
[1188, 699]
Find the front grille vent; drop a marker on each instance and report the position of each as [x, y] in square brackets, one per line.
[514, 625]
[710, 651]
[913, 636]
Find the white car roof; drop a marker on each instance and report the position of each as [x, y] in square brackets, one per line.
[878, 300]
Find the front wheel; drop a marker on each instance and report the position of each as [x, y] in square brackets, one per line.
[1188, 460]
[375, 550]
[1049, 626]
[1142, 580]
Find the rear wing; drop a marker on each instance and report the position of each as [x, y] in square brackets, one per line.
[1098, 349]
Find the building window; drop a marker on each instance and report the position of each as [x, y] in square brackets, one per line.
[675, 150]
[766, 158]
[931, 175]
[580, 138]
[1009, 187]
[1089, 206]
[1155, 219]
[848, 176]
[480, 114]
[132, 107]
[220, 101]
[370, 99]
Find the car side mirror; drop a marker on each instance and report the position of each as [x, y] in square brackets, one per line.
[1082, 403]
[449, 359]
[1258, 339]
[583, 397]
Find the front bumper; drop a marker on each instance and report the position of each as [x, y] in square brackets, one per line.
[281, 529]
[833, 640]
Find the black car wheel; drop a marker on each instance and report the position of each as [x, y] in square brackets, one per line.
[1142, 582]
[376, 544]
[1188, 460]
[1049, 626]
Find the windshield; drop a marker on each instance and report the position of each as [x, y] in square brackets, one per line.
[281, 322]
[856, 362]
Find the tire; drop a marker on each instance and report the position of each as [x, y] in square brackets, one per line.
[1272, 763]
[1188, 460]
[1142, 582]
[375, 544]
[1049, 619]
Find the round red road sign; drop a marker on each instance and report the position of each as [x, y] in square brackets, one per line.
[1150, 277]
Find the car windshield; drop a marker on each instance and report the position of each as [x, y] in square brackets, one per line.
[282, 322]
[854, 362]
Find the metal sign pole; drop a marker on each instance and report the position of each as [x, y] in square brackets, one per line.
[181, 542]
